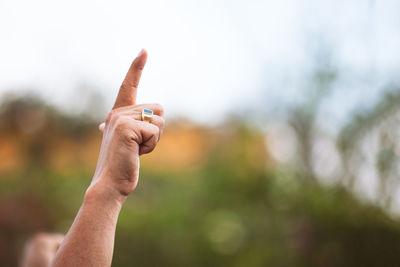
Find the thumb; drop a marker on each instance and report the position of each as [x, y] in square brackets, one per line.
[102, 126]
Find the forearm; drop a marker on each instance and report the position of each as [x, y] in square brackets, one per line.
[90, 240]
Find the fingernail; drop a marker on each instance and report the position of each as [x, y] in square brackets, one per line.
[140, 53]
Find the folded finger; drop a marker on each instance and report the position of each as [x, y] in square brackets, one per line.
[137, 115]
[156, 108]
[149, 134]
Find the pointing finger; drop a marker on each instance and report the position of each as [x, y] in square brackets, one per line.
[128, 89]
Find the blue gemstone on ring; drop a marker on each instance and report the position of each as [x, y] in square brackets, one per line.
[148, 111]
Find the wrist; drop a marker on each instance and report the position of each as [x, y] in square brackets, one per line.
[103, 194]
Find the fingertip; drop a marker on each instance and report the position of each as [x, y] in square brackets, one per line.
[102, 126]
[143, 52]
[142, 57]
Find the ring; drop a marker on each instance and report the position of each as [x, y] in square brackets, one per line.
[147, 115]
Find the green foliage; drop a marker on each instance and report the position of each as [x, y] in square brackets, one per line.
[236, 209]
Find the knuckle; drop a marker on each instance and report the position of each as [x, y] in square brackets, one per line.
[160, 108]
[162, 123]
[154, 130]
[126, 86]
[123, 86]
[121, 123]
[112, 116]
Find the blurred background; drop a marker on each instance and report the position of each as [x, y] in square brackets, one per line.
[281, 146]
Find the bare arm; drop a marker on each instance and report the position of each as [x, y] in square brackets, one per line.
[90, 240]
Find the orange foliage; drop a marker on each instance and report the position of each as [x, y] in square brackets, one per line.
[181, 147]
[11, 156]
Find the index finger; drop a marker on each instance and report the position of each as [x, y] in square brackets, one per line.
[128, 90]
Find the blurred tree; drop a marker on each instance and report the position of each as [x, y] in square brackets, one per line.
[229, 204]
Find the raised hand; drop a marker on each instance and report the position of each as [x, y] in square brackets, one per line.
[125, 136]
[90, 240]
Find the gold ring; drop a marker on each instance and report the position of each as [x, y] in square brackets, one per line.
[147, 115]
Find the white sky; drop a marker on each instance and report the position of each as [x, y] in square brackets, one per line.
[206, 58]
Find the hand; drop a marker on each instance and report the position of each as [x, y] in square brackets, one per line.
[41, 249]
[126, 137]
